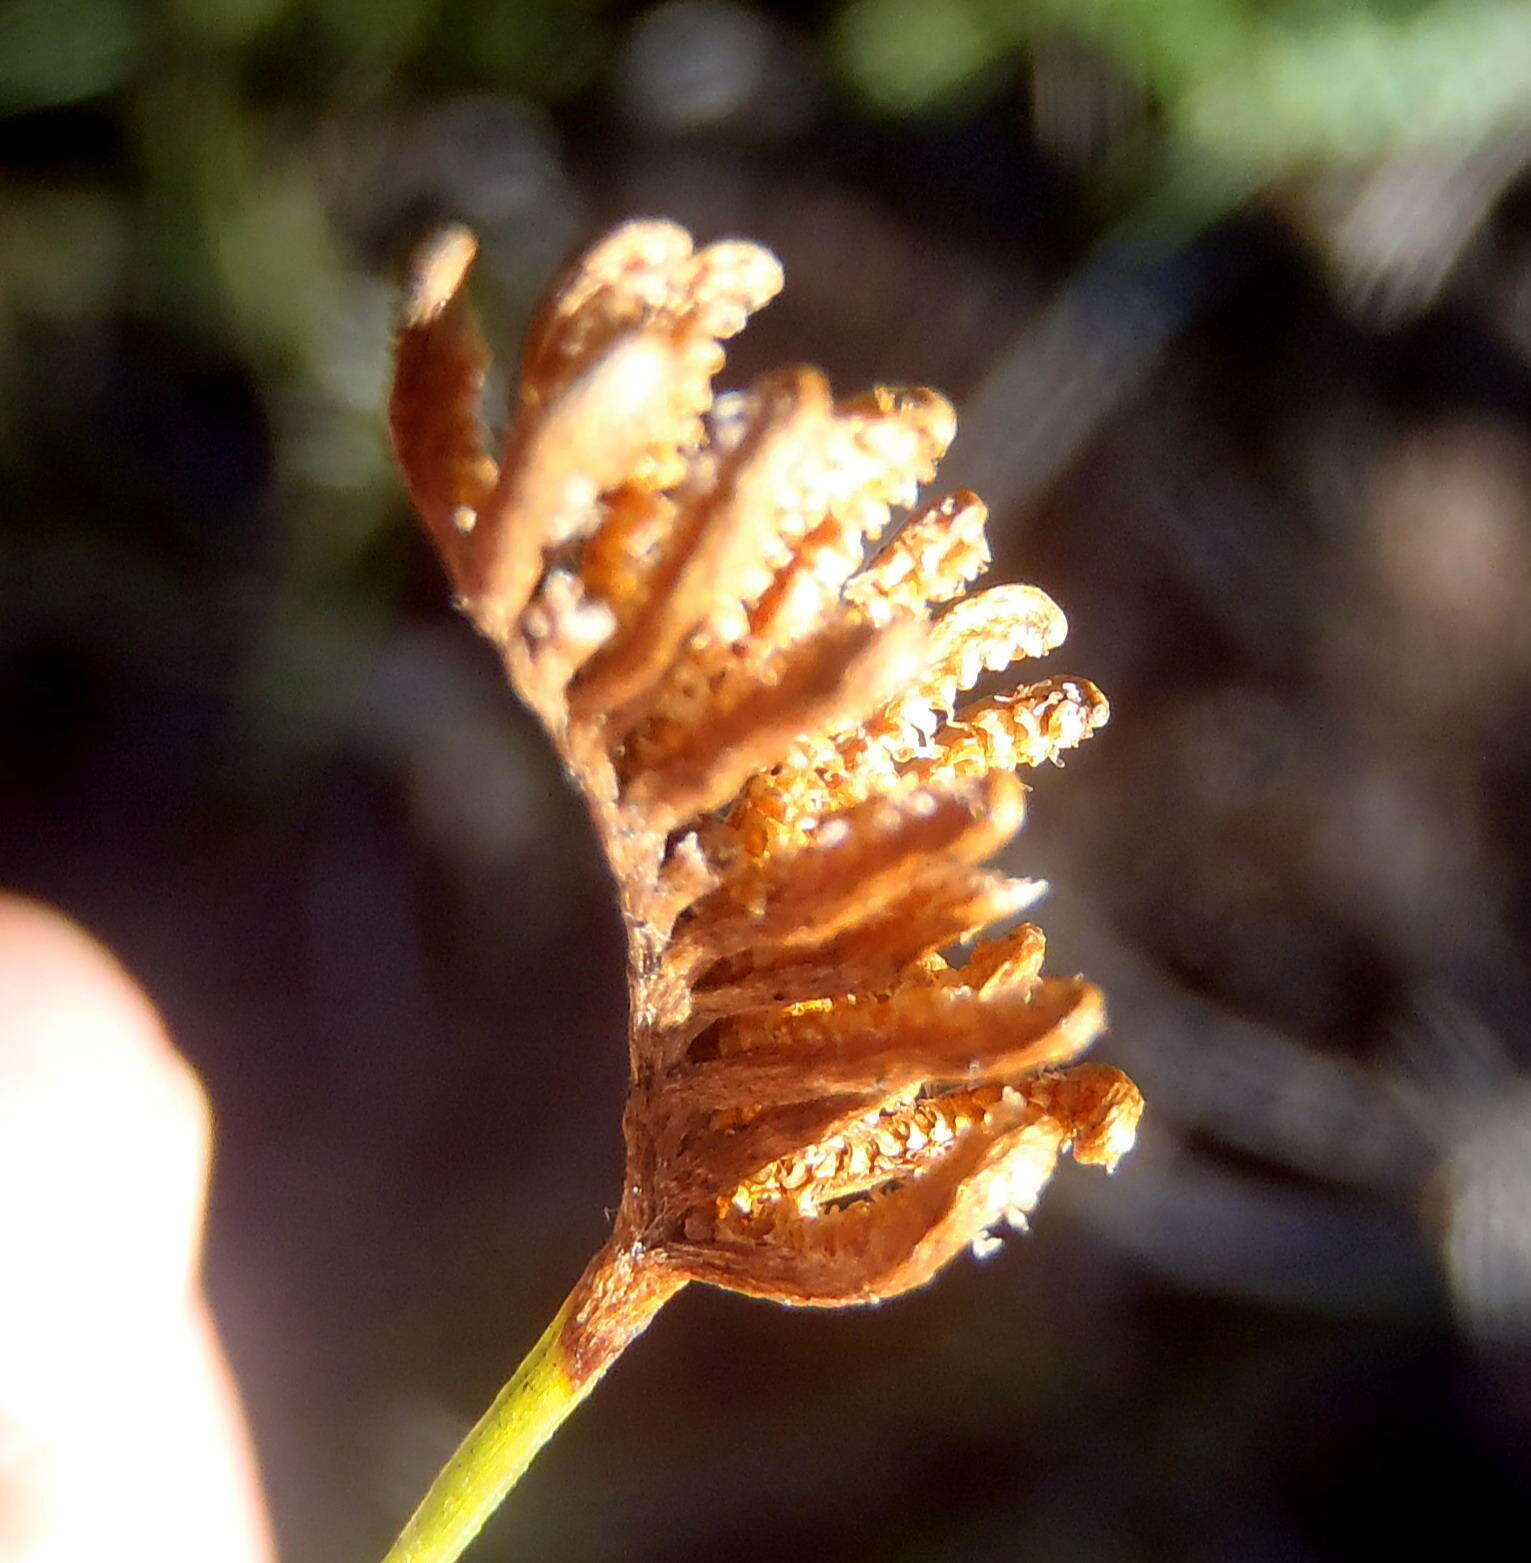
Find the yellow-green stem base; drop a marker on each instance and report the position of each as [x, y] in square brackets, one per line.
[612, 1302]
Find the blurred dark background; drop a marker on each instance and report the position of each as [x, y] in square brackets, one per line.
[1235, 298]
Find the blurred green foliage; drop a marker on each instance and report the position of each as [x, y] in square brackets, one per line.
[53, 53]
[1257, 87]
[207, 168]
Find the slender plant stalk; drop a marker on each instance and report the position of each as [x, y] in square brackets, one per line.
[610, 1305]
[793, 797]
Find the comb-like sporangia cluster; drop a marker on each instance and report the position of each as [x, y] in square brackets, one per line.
[753, 642]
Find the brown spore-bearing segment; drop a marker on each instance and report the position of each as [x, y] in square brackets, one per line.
[754, 672]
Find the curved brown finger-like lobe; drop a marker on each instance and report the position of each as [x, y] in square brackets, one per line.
[892, 750]
[1011, 960]
[727, 282]
[982, 1158]
[1098, 1106]
[620, 284]
[434, 408]
[939, 1172]
[894, 1241]
[646, 271]
[986, 633]
[905, 1136]
[646, 277]
[805, 589]
[913, 1035]
[933, 558]
[707, 1159]
[616, 376]
[854, 864]
[900, 434]
[829, 681]
[1003, 1184]
[717, 536]
[869, 456]
[947, 908]
[983, 633]
[848, 469]
[560, 459]
[874, 455]
[1027, 726]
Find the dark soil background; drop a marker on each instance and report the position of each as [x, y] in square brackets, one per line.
[1258, 417]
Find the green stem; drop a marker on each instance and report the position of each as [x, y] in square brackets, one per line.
[612, 1302]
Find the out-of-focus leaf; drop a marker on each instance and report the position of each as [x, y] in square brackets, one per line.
[1257, 89]
[908, 54]
[53, 54]
[1359, 85]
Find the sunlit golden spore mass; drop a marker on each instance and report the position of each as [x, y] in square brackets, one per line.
[752, 640]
